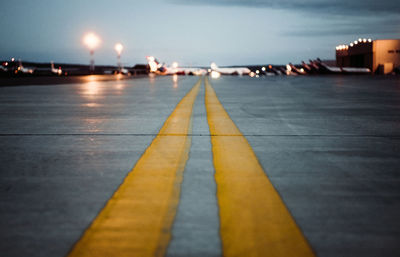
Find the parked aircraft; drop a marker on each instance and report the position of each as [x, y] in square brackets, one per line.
[162, 69]
[22, 69]
[230, 71]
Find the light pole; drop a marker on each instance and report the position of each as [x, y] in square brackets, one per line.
[91, 41]
[118, 48]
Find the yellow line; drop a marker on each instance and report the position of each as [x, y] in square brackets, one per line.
[254, 220]
[137, 220]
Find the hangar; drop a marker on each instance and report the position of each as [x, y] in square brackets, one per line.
[381, 56]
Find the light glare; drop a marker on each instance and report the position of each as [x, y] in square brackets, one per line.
[119, 47]
[91, 40]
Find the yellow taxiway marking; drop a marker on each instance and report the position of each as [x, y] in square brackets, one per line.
[254, 220]
[137, 220]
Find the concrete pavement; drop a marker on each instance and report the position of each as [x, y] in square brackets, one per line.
[329, 145]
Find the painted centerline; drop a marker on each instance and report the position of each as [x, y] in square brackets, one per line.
[137, 219]
[254, 220]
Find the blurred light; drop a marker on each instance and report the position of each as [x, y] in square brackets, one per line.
[359, 39]
[152, 63]
[288, 68]
[302, 70]
[270, 66]
[119, 47]
[257, 76]
[252, 74]
[92, 89]
[257, 71]
[174, 65]
[356, 42]
[12, 59]
[209, 70]
[213, 66]
[263, 69]
[91, 40]
[364, 40]
[215, 74]
[175, 80]
[369, 40]
[351, 44]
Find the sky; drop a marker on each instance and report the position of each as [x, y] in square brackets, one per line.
[191, 32]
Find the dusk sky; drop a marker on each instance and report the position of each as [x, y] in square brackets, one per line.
[192, 32]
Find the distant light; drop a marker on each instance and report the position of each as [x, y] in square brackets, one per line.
[257, 76]
[302, 70]
[213, 66]
[270, 66]
[288, 68]
[252, 74]
[364, 40]
[12, 59]
[359, 39]
[175, 80]
[119, 47]
[209, 70]
[91, 40]
[263, 69]
[152, 63]
[174, 65]
[351, 44]
[369, 40]
[257, 71]
[215, 74]
[356, 42]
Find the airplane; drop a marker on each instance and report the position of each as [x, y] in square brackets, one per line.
[48, 70]
[230, 71]
[55, 71]
[337, 70]
[294, 70]
[22, 69]
[161, 69]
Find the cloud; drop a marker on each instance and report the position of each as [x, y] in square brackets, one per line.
[332, 7]
[373, 27]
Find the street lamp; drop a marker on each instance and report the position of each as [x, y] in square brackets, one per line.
[91, 41]
[119, 47]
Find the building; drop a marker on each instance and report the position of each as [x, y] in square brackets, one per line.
[380, 56]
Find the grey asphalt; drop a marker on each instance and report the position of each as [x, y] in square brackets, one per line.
[330, 145]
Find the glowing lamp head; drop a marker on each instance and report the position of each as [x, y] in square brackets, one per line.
[91, 40]
[119, 47]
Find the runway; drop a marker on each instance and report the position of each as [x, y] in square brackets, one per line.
[301, 166]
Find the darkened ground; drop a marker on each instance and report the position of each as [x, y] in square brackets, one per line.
[56, 80]
[330, 145]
